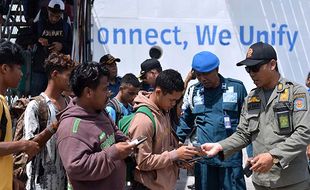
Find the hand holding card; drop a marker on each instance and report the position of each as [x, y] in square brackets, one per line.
[138, 140]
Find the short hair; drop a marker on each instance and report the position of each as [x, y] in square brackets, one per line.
[59, 62]
[169, 80]
[10, 53]
[87, 75]
[130, 79]
[158, 69]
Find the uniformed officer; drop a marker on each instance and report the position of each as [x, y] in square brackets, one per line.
[213, 109]
[275, 118]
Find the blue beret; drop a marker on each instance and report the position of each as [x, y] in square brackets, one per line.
[205, 61]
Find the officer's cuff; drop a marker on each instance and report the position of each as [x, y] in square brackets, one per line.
[221, 155]
[275, 153]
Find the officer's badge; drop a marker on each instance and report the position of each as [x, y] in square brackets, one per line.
[249, 53]
[284, 95]
[300, 102]
[280, 87]
[254, 103]
[254, 99]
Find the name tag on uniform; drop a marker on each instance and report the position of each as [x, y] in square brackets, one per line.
[227, 122]
[230, 97]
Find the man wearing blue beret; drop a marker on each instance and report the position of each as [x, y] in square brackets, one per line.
[213, 111]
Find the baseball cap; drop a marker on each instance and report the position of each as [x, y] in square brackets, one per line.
[108, 59]
[148, 65]
[258, 53]
[56, 5]
[205, 61]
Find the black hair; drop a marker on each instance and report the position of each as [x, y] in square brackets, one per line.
[169, 80]
[87, 75]
[131, 79]
[308, 75]
[59, 62]
[158, 69]
[10, 53]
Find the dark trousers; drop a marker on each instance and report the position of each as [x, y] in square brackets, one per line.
[137, 186]
[218, 178]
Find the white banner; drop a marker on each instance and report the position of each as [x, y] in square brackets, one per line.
[128, 28]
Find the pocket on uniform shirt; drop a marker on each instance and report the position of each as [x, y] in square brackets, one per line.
[200, 112]
[253, 120]
[230, 106]
[231, 109]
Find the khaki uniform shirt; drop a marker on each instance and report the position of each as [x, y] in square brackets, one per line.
[260, 125]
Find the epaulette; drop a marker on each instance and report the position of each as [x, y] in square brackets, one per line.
[234, 80]
[252, 91]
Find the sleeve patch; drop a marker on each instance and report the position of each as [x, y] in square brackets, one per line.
[300, 102]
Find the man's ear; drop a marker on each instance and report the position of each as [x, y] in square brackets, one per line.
[88, 92]
[158, 91]
[273, 64]
[4, 68]
[121, 87]
[54, 73]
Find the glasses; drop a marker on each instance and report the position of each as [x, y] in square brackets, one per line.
[256, 68]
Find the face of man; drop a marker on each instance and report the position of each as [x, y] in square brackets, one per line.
[167, 101]
[54, 17]
[150, 77]
[179, 109]
[112, 69]
[209, 79]
[99, 97]
[62, 79]
[262, 74]
[128, 93]
[12, 74]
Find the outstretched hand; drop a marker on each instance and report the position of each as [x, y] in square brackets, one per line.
[186, 152]
[211, 149]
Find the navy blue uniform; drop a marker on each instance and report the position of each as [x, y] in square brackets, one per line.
[210, 107]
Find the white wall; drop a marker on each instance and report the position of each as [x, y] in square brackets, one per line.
[230, 27]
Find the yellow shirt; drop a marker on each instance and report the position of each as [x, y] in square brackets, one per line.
[6, 162]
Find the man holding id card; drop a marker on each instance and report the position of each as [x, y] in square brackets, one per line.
[213, 110]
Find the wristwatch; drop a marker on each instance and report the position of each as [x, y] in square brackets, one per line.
[275, 160]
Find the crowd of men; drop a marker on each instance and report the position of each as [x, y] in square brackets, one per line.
[203, 126]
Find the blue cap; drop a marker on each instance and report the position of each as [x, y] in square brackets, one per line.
[205, 61]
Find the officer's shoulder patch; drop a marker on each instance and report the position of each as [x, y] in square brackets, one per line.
[254, 99]
[254, 102]
[300, 102]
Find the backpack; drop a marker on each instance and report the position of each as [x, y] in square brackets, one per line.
[18, 113]
[123, 125]
[113, 103]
